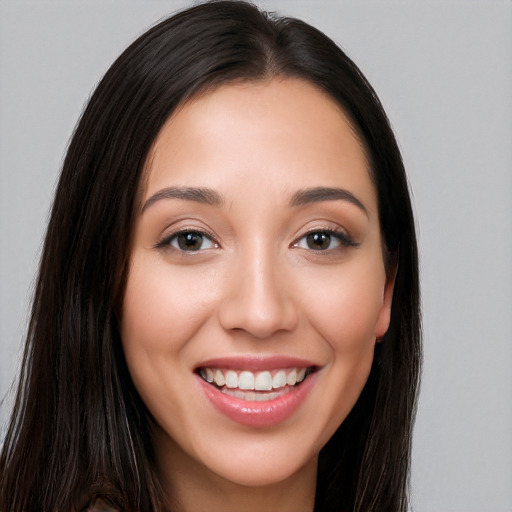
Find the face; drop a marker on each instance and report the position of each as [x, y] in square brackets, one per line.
[256, 289]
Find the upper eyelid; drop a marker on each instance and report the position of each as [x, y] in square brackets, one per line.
[334, 230]
[165, 239]
[187, 227]
[337, 231]
[346, 238]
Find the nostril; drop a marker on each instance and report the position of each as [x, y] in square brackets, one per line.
[260, 319]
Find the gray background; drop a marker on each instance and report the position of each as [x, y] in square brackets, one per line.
[443, 70]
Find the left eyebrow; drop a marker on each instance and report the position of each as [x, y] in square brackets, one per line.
[198, 195]
[318, 194]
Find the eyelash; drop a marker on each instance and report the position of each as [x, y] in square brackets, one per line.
[166, 242]
[343, 239]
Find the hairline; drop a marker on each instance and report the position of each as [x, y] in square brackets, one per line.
[212, 86]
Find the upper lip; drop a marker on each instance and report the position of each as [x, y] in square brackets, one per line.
[256, 362]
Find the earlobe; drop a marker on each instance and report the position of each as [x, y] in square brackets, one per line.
[384, 318]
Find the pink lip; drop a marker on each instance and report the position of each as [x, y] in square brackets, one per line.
[259, 414]
[256, 363]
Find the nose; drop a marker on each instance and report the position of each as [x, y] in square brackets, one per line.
[259, 300]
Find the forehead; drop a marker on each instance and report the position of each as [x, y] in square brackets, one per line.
[286, 132]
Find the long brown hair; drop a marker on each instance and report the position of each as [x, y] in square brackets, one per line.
[78, 426]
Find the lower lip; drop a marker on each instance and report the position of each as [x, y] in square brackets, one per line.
[259, 414]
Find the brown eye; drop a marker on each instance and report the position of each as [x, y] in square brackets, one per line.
[191, 241]
[321, 241]
[325, 240]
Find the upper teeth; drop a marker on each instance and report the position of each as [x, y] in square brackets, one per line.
[259, 381]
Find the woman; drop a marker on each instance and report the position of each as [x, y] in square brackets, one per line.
[227, 310]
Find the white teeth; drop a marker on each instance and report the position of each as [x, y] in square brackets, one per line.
[246, 380]
[279, 379]
[231, 379]
[219, 378]
[291, 379]
[252, 396]
[249, 381]
[263, 382]
[272, 396]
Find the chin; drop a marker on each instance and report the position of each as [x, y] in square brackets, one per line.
[265, 473]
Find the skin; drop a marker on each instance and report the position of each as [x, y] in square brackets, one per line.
[255, 286]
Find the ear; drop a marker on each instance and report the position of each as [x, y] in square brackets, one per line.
[384, 317]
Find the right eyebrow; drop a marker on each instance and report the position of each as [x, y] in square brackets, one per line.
[197, 194]
[319, 194]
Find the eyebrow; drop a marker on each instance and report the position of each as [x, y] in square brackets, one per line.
[198, 195]
[318, 194]
[213, 198]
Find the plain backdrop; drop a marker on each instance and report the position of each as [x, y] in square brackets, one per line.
[443, 70]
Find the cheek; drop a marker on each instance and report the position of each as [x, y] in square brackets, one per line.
[162, 311]
[161, 307]
[346, 315]
[345, 307]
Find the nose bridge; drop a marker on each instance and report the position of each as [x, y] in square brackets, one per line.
[259, 300]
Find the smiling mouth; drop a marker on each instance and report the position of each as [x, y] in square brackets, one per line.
[255, 386]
